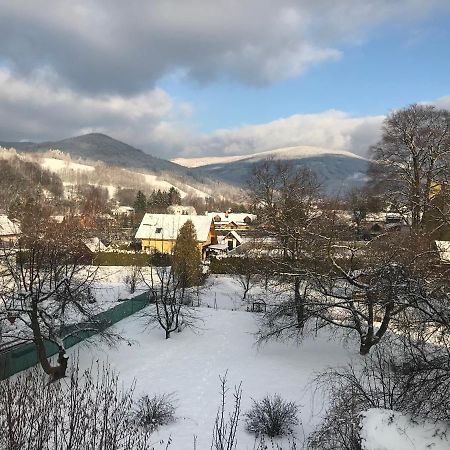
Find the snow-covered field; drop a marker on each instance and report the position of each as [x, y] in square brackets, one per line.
[190, 363]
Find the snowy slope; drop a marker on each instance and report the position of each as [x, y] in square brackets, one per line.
[59, 165]
[337, 170]
[285, 153]
[65, 167]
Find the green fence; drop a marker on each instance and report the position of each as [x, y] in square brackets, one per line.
[24, 356]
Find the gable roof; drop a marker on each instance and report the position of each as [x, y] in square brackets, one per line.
[443, 248]
[94, 244]
[8, 228]
[232, 217]
[165, 227]
[236, 235]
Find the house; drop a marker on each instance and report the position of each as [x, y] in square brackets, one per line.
[9, 231]
[182, 210]
[232, 221]
[159, 232]
[126, 211]
[94, 244]
[225, 244]
[443, 248]
[232, 240]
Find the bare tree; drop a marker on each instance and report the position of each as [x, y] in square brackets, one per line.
[412, 161]
[172, 286]
[172, 310]
[286, 202]
[46, 290]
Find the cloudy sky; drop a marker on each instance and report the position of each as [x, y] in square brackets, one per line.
[219, 77]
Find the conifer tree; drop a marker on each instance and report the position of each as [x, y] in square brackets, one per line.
[187, 256]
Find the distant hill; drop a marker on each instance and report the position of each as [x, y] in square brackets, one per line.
[87, 150]
[337, 170]
[99, 147]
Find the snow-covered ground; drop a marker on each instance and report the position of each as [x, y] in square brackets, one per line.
[59, 165]
[108, 287]
[388, 430]
[190, 363]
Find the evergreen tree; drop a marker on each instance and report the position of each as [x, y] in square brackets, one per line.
[187, 262]
[174, 196]
[140, 204]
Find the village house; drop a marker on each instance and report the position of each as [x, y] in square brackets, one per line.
[182, 210]
[126, 211]
[443, 249]
[225, 243]
[159, 232]
[232, 221]
[9, 231]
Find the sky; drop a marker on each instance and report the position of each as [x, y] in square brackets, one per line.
[222, 77]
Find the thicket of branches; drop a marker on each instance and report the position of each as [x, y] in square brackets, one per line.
[369, 286]
[45, 289]
[89, 411]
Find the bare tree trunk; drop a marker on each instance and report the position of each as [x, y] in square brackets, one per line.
[299, 303]
[55, 372]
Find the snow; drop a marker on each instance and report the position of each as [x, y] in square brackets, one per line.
[389, 430]
[158, 183]
[167, 226]
[7, 227]
[189, 365]
[285, 153]
[443, 248]
[59, 165]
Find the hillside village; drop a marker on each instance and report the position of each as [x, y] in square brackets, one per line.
[225, 225]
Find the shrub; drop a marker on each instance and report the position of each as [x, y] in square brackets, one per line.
[152, 412]
[272, 416]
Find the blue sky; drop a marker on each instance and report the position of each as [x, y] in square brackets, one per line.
[199, 78]
[394, 66]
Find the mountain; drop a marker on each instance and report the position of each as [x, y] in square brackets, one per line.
[99, 147]
[143, 170]
[337, 170]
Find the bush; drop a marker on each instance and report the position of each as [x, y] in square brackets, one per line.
[272, 416]
[152, 412]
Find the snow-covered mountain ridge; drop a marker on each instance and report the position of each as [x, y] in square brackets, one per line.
[285, 153]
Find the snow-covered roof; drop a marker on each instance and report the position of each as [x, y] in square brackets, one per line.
[443, 248]
[236, 235]
[124, 209]
[221, 247]
[166, 226]
[94, 244]
[232, 217]
[7, 227]
[57, 219]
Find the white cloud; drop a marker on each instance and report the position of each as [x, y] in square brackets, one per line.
[443, 102]
[126, 47]
[40, 110]
[330, 129]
